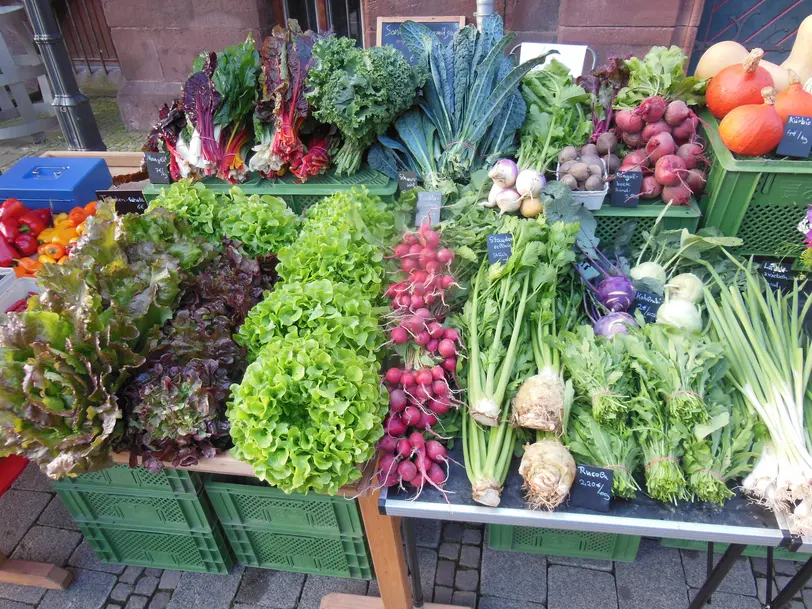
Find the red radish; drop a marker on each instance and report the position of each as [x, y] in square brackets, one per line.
[633, 140]
[410, 416]
[393, 375]
[414, 323]
[422, 314]
[422, 338]
[433, 266]
[660, 146]
[436, 451]
[686, 130]
[418, 480]
[417, 302]
[445, 256]
[418, 289]
[427, 420]
[450, 364]
[397, 400]
[437, 373]
[691, 154]
[446, 281]
[436, 330]
[387, 463]
[636, 157]
[430, 299]
[669, 169]
[423, 377]
[676, 112]
[422, 460]
[651, 188]
[419, 277]
[677, 195]
[652, 109]
[696, 179]
[432, 345]
[403, 448]
[407, 471]
[436, 474]
[430, 238]
[410, 239]
[440, 406]
[652, 129]
[407, 378]
[423, 393]
[401, 250]
[408, 264]
[452, 334]
[415, 249]
[417, 440]
[394, 425]
[629, 122]
[390, 479]
[447, 348]
[388, 444]
[439, 388]
[399, 335]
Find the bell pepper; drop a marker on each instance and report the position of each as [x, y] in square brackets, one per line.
[27, 244]
[46, 259]
[77, 215]
[9, 228]
[32, 223]
[43, 214]
[12, 208]
[29, 265]
[90, 208]
[62, 234]
[60, 218]
[52, 250]
[81, 228]
[8, 253]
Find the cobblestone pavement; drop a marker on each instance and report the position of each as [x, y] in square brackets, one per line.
[457, 568]
[112, 131]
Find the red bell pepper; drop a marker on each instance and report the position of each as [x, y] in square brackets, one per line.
[31, 222]
[9, 228]
[7, 253]
[42, 214]
[12, 208]
[27, 244]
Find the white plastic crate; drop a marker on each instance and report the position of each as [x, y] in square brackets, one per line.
[16, 290]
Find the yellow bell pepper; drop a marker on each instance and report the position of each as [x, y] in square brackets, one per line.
[81, 228]
[46, 259]
[60, 218]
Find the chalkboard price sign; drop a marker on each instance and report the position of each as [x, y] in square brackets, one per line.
[779, 275]
[500, 247]
[158, 167]
[648, 304]
[592, 488]
[389, 31]
[797, 140]
[428, 206]
[407, 180]
[626, 188]
[126, 201]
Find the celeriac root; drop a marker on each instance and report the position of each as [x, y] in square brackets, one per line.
[487, 491]
[485, 412]
[539, 403]
[548, 470]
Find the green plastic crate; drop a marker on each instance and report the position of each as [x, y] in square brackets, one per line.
[338, 556]
[758, 200]
[205, 552]
[610, 219]
[140, 510]
[262, 507]
[125, 478]
[554, 542]
[301, 196]
[755, 551]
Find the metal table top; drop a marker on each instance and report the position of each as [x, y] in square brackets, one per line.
[739, 521]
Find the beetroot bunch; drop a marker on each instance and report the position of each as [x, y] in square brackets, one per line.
[665, 147]
[421, 389]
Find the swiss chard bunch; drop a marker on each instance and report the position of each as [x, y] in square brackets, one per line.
[361, 92]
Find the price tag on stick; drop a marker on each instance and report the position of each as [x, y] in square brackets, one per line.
[500, 247]
[126, 201]
[407, 180]
[797, 140]
[158, 167]
[626, 188]
[648, 304]
[592, 488]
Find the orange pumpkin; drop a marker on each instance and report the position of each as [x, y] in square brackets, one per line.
[794, 100]
[754, 129]
[738, 85]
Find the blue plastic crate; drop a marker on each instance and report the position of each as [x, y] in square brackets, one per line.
[58, 183]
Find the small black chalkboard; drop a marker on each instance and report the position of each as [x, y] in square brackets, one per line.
[158, 167]
[428, 206]
[127, 201]
[779, 275]
[500, 247]
[592, 488]
[407, 180]
[648, 304]
[626, 189]
[389, 31]
[797, 140]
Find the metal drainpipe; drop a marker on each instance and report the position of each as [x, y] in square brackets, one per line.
[73, 109]
[483, 9]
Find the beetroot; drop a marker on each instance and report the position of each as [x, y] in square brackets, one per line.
[686, 130]
[691, 154]
[677, 195]
[660, 146]
[652, 109]
[633, 140]
[669, 169]
[652, 129]
[696, 179]
[676, 112]
[651, 188]
[636, 157]
[629, 122]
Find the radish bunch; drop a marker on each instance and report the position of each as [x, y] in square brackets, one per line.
[665, 147]
[420, 390]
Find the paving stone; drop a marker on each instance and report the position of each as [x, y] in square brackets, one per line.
[112, 606]
[472, 537]
[169, 580]
[442, 595]
[449, 551]
[452, 531]
[131, 574]
[7, 604]
[513, 575]
[45, 544]
[427, 533]
[266, 588]
[121, 592]
[427, 562]
[160, 600]
[85, 557]
[573, 588]
[208, 590]
[654, 579]
[373, 589]
[445, 573]
[740, 579]
[469, 556]
[782, 567]
[725, 600]
[57, 515]
[147, 585]
[467, 580]
[137, 602]
[20, 510]
[33, 479]
[21, 594]
[781, 581]
[316, 587]
[807, 596]
[153, 572]
[88, 590]
[761, 589]
[464, 599]
[583, 563]
[494, 602]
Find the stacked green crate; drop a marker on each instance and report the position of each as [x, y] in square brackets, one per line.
[135, 517]
[305, 533]
[555, 542]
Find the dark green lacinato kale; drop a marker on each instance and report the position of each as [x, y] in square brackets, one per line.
[360, 91]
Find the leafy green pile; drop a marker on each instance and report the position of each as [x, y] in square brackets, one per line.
[360, 91]
[67, 356]
[558, 115]
[193, 203]
[661, 72]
